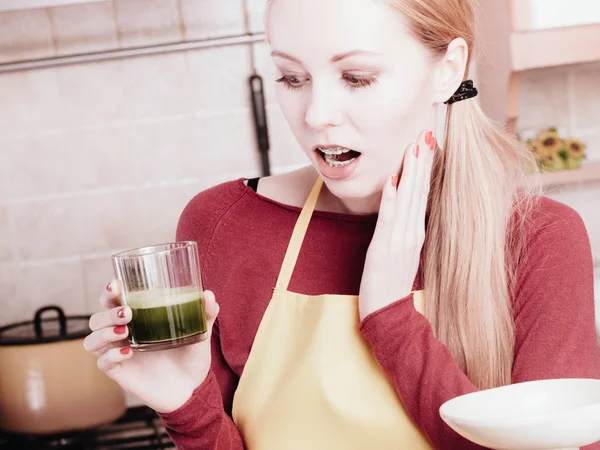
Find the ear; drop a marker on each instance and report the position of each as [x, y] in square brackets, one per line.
[450, 70]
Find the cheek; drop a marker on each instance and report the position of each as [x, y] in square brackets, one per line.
[293, 107]
[399, 105]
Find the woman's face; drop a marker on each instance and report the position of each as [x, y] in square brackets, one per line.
[351, 77]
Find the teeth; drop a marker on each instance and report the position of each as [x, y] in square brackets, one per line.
[334, 151]
[333, 162]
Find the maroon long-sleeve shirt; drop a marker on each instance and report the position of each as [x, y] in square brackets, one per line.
[242, 240]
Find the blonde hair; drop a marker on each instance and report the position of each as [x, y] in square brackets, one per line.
[477, 210]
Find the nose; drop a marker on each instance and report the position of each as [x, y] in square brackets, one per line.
[324, 109]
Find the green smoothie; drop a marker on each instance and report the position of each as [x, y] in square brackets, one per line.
[164, 315]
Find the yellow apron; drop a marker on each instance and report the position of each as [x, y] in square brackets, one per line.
[311, 381]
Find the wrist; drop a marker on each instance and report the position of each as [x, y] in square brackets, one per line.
[179, 394]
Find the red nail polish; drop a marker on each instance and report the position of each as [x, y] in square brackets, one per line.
[125, 350]
[432, 146]
[416, 151]
[428, 137]
[109, 287]
[395, 180]
[121, 329]
[121, 313]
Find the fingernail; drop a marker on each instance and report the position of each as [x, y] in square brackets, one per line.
[121, 313]
[109, 287]
[416, 151]
[428, 137]
[121, 329]
[395, 180]
[432, 145]
[125, 350]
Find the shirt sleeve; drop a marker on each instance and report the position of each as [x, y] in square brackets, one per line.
[204, 421]
[554, 326]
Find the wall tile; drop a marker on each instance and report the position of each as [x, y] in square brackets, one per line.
[586, 96]
[11, 309]
[31, 102]
[7, 169]
[92, 94]
[47, 164]
[266, 69]
[151, 152]
[219, 78]
[544, 99]
[592, 140]
[212, 18]
[148, 22]
[100, 222]
[156, 86]
[256, 10]
[32, 286]
[98, 272]
[82, 28]
[224, 144]
[47, 228]
[6, 236]
[25, 35]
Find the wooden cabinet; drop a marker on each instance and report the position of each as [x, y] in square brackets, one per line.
[519, 35]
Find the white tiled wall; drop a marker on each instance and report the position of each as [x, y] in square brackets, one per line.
[100, 157]
[564, 97]
[568, 98]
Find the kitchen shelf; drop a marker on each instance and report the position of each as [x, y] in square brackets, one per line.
[518, 35]
[536, 49]
[589, 172]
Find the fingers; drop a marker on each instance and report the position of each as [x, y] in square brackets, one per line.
[110, 360]
[211, 308]
[405, 197]
[387, 205]
[111, 296]
[97, 341]
[120, 315]
[424, 184]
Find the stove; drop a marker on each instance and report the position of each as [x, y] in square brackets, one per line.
[138, 428]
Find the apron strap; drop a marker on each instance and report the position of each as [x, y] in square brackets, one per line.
[293, 250]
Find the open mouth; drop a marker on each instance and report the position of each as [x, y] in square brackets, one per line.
[338, 156]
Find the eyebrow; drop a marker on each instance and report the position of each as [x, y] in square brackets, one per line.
[334, 59]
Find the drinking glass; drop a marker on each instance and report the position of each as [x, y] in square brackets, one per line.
[162, 286]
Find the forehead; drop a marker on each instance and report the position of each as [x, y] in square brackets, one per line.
[306, 28]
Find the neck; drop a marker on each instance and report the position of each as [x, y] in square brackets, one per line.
[355, 206]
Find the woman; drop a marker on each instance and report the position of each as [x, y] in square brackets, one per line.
[360, 293]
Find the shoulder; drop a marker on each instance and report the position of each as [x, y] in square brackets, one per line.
[553, 244]
[206, 210]
[550, 222]
[203, 212]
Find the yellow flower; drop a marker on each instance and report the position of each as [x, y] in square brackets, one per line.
[550, 141]
[551, 162]
[575, 148]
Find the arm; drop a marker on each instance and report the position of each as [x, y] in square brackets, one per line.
[202, 422]
[554, 324]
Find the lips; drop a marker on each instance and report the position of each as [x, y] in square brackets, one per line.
[336, 153]
[336, 162]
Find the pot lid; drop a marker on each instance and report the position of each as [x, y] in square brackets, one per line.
[42, 330]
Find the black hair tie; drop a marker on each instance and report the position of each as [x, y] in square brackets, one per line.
[465, 90]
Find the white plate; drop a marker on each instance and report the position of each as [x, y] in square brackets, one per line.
[535, 415]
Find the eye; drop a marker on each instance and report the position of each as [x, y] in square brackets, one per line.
[356, 82]
[292, 82]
